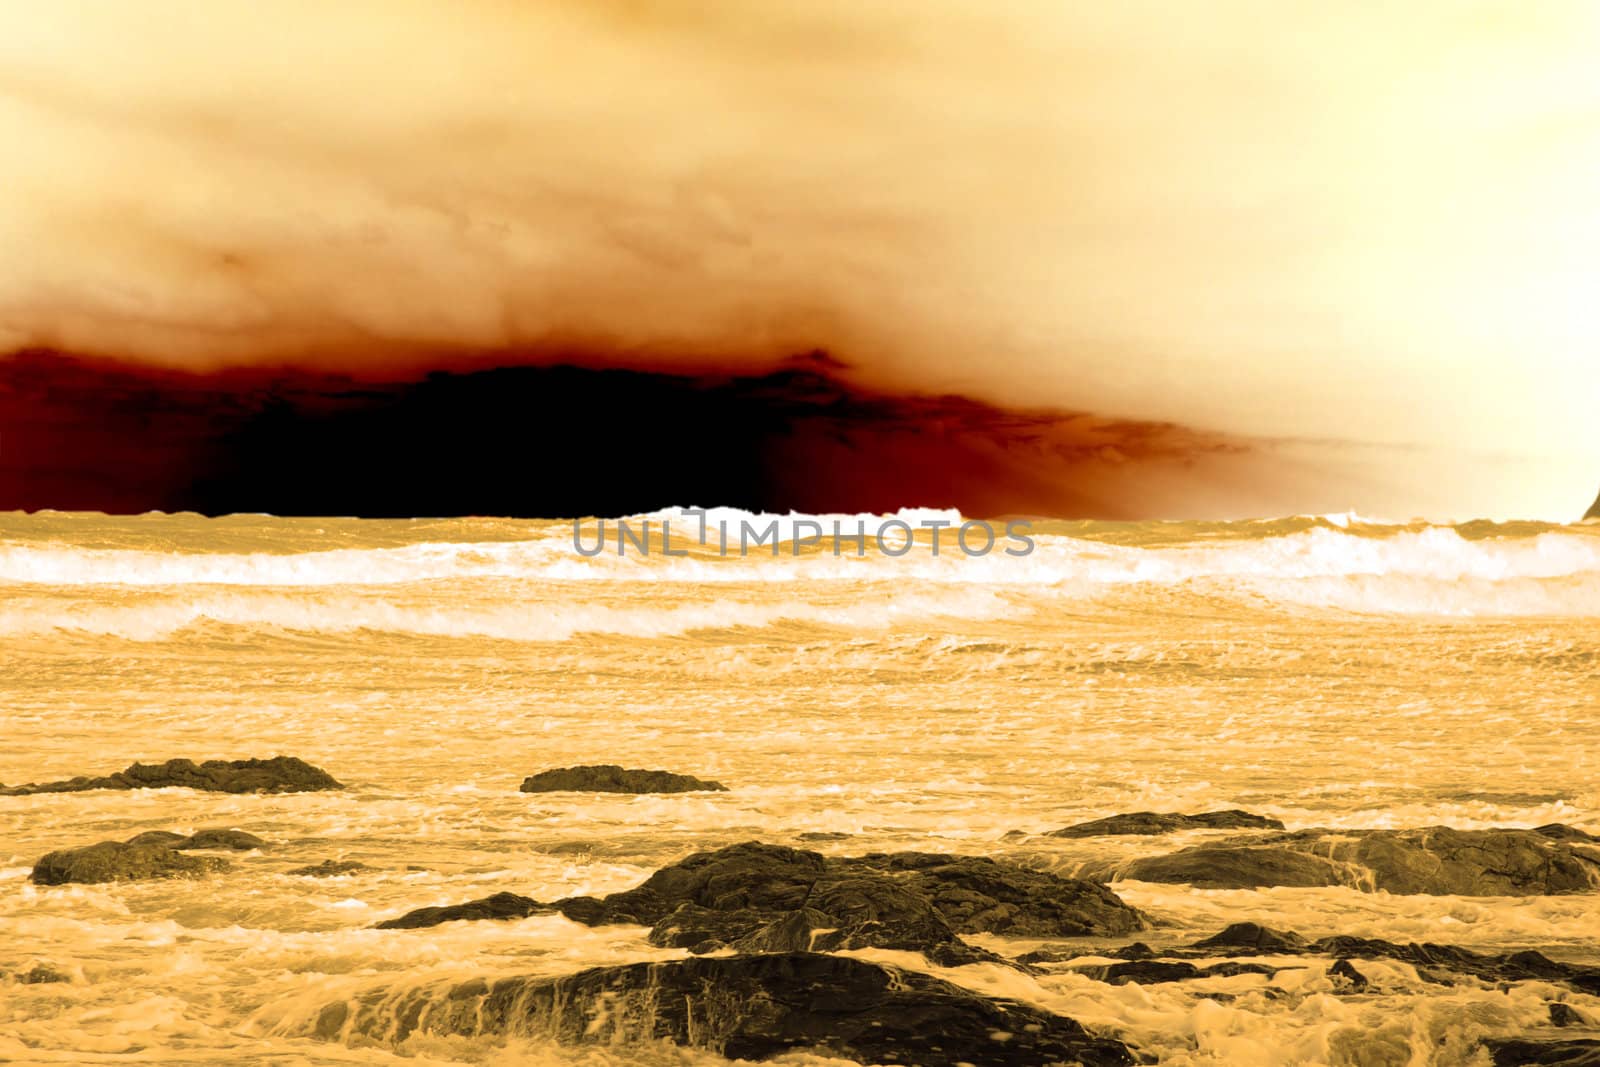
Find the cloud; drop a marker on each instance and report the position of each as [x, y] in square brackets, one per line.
[1257, 218]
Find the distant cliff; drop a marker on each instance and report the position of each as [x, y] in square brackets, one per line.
[1594, 510]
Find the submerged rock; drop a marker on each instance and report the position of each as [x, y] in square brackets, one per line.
[760, 897]
[1564, 1015]
[42, 973]
[1517, 1053]
[499, 906]
[610, 778]
[1437, 963]
[1237, 867]
[1152, 822]
[119, 861]
[1433, 860]
[235, 840]
[1156, 972]
[1345, 970]
[328, 869]
[1256, 938]
[281, 774]
[745, 1007]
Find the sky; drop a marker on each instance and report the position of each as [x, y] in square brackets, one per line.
[1356, 240]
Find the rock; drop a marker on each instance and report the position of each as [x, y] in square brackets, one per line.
[1137, 950]
[1516, 1053]
[744, 1007]
[1440, 860]
[116, 861]
[281, 774]
[1151, 822]
[1157, 972]
[1557, 831]
[236, 840]
[1257, 939]
[610, 778]
[1140, 972]
[1594, 511]
[1236, 867]
[1563, 1015]
[499, 906]
[1434, 860]
[328, 869]
[983, 896]
[46, 974]
[760, 897]
[1437, 963]
[1344, 969]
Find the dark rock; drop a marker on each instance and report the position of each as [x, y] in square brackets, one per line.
[1140, 972]
[328, 869]
[1156, 972]
[823, 835]
[499, 906]
[1516, 1053]
[116, 861]
[1151, 822]
[1434, 860]
[1346, 970]
[1563, 1014]
[43, 974]
[1433, 962]
[981, 895]
[610, 778]
[755, 896]
[1257, 939]
[1557, 831]
[235, 840]
[1229, 968]
[281, 774]
[745, 1007]
[1236, 867]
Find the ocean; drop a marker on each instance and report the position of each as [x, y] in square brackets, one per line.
[1325, 671]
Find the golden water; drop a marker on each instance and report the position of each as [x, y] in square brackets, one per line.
[1326, 671]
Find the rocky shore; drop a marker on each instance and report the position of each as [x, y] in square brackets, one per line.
[771, 936]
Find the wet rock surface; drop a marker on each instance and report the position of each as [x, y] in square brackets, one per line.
[1152, 822]
[756, 896]
[121, 861]
[610, 778]
[280, 774]
[1434, 860]
[328, 869]
[748, 1007]
[1154, 972]
[982, 895]
[499, 906]
[221, 839]
[1433, 962]
[40, 973]
[1582, 1053]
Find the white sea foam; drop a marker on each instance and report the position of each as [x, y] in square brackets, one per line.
[1432, 570]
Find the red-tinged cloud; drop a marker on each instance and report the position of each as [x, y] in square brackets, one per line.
[568, 440]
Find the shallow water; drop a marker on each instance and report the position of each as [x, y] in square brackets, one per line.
[1329, 672]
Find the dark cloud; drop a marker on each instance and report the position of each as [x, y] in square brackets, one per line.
[545, 441]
